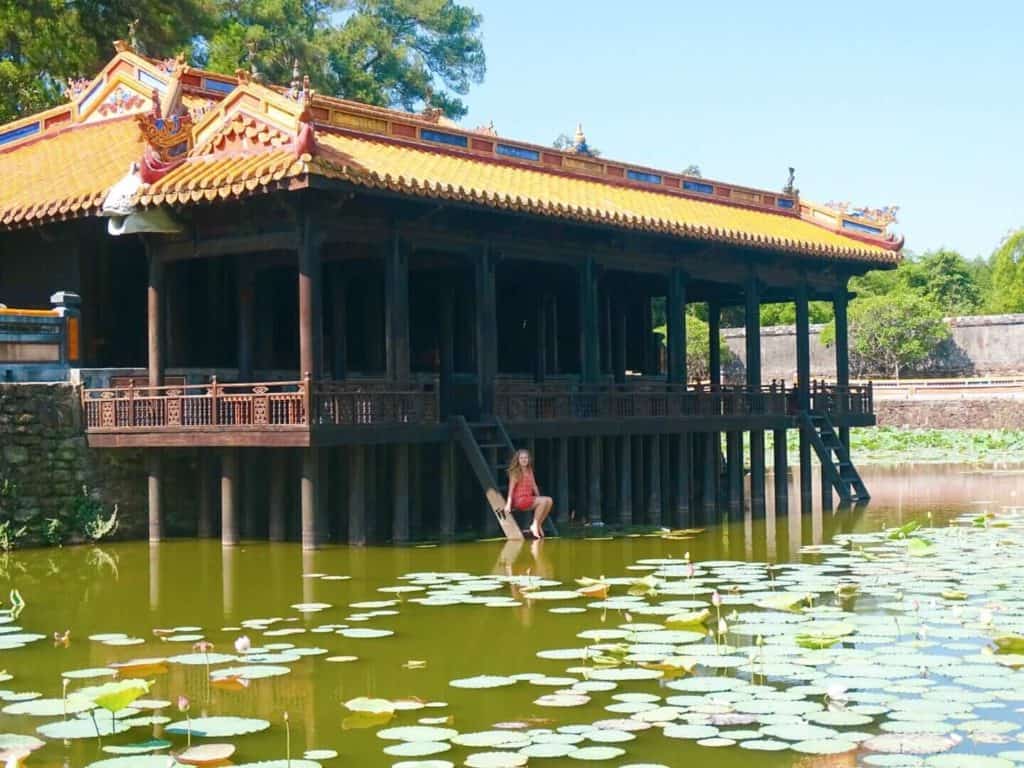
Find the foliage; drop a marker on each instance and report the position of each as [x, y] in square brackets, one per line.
[890, 333]
[888, 445]
[383, 52]
[1007, 291]
[10, 535]
[945, 278]
[784, 313]
[698, 345]
[43, 43]
[89, 519]
[54, 531]
[10, 532]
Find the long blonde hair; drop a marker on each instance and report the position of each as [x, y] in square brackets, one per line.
[515, 472]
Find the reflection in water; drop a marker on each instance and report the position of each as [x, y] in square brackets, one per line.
[179, 581]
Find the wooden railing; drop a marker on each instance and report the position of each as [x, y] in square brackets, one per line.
[529, 402]
[281, 404]
[838, 400]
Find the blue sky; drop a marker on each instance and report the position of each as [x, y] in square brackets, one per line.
[910, 103]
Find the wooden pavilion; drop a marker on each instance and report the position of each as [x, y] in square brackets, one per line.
[394, 300]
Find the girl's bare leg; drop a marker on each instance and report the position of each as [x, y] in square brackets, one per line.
[541, 509]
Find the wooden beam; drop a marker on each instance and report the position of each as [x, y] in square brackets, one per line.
[204, 248]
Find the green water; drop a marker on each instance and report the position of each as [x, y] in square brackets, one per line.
[134, 588]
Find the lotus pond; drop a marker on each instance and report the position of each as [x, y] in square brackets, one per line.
[891, 636]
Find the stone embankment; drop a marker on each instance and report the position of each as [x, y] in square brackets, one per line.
[975, 411]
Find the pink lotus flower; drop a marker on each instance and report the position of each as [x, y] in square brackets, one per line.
[716, 599]
[689, 570]
[243, 644]
[183, 704]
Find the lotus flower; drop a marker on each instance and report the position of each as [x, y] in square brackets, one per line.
[690, 570]
[183, 703]
[203, 646]
[243, 644]
[836, 693]
[716, 599]
[722, 627]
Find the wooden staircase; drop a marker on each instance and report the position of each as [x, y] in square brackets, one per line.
[488, 448]
[834, 457]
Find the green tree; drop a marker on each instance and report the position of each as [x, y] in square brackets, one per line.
[698, 346]
[1007, 293]
[784, 313]
[43, 43]
[892, 332]
[943, 277]
[405, 53]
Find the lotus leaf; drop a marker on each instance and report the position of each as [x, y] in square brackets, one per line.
[218, 727]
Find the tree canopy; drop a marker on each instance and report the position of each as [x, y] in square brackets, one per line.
[1007, 278]
[401, 53]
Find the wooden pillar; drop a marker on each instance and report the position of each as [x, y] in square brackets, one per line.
[541, 352]
[594, 490]
[154, 474]
[714, 348]
[590, 340]
[154, 301]
[650, 360]
[803, 373]
[309, 496]
[396, 298]
[734, 467]
[447, 351]
[486, 328]
[205, 525]
[562, 492]
[676, 326]
[310, 322]
[554, 366]
[400, 533]
[826, 491]
[753, 349]
[639, 478]
[619, 340]
[780, 471]
[416, 473]
[709, 494]
[683, 467]
[357, 495]
[448, 487]
[654, 480]
[339, 322]
[246, 318]
[229, 531]
[277, 529]
[625, 481]
[842, 342]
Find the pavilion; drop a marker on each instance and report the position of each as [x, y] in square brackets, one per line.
[377, 303]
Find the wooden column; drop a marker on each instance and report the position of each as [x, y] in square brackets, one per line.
[780, 471]
[683, 467]
[734, 464]
[310, 320]
[205, 526]
[448, 486]
[826, 491]
[554, 366]
[842, 342]
[803, 373]
[590, 351]
[562, 492]
[416, 472]
[618, 355]
[396, 298]
[154, 302]
[447, 352]
[654, 480]
[639, 478]
[486, 327]
[709, 501]
[277, 528]
[246, 318]
[625, 481]
[229, 530]
[594, 489]
[312, 534]
[357, 495]
[339, 322]
[753, 344]
[400, 532]
[676, 326]
[541, 353]
[714, 350]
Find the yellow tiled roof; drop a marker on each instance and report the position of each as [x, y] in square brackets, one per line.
[66, 174]
[415, 171]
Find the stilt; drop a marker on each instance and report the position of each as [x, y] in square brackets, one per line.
[205, 526]
[594, 490]
[625, 481]
[229, 533]
[228, 573]
[609, 480]
[372, 515]
[154, 471]
[842, 346]
[826, 490]
[416, 472]
[154, 580]
[310, 488]
[710, 484]
[780, 471]
[400, 532]
[734, 467]
[757, 472]
[357, 495]
[277, 530]
[803, 372]
[562, 492]
[806, 486]
[580, 502]
[639, 479]
[448, 486]
[653, 513]
[681, 506]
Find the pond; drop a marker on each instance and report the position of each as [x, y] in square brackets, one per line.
[857, 648]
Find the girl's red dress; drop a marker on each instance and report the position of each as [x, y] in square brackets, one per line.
[525, 492]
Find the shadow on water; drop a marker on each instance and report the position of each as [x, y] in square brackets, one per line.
[134, 588]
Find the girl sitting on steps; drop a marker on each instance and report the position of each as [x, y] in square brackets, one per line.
[523, 493]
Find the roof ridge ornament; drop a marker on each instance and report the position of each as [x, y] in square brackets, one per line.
[132, 43]
[579, 142]
[790, 187]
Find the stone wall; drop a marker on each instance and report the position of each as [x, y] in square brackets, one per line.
[46, 464]
[986, 345]
[951, 413]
